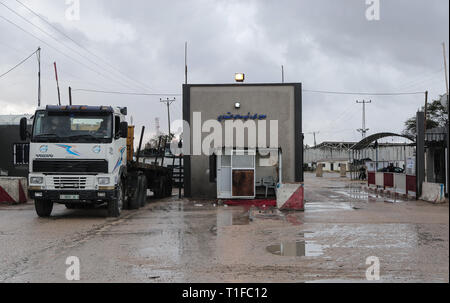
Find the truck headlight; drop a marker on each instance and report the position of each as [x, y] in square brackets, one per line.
[104, 180]
[36, 180]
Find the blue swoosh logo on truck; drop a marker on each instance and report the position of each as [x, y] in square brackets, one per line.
[68, 149]
[119, 162]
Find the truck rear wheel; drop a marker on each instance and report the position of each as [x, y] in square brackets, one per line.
[134, 201]
[115, 205]
[143, 196]
[159, 191]
[43, 208]
[168, 189]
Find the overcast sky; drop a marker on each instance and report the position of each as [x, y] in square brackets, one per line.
[324, 44]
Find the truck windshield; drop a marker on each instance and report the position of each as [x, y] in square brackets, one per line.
[61, 127]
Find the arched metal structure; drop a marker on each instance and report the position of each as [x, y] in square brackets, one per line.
[364, 143]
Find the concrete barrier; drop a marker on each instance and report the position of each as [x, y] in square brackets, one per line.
[343, 170]
[319, 171]
[291, 196]
[13, 190]
[393, 182]
[433, 192]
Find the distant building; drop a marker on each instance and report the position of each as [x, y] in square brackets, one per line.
[333, 154]
[14, 153]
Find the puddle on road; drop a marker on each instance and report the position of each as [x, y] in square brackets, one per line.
[230, 218]
[296, 249]
[323, 206]
[300, 248]
[227, 218]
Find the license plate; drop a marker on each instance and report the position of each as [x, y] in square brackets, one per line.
[69, 197]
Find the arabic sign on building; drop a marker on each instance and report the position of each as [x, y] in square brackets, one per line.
[249, 116]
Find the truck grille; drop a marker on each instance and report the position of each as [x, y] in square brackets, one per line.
[69, 182]
[69, 166]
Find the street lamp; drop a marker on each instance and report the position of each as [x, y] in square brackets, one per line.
[239, 77]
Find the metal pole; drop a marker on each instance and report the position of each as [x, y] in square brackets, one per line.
[282, 74]
[448, 119]
[70, 96]
[426, 109]
[138, 155]
[57, 83]
[39, 76]
[185, 63]
[420, 153]
[179, 175]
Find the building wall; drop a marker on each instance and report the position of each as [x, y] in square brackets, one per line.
[385, 153]
[9, 135]
[336, 165]
[278, 102]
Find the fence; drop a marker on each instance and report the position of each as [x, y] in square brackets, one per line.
[399, 183]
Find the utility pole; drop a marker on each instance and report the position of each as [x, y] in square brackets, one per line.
[185, 63]
[168, 103]
[282, 74]
[364, 130]
[448, 119]
[426, 109]
[39, 75]
[57, 83]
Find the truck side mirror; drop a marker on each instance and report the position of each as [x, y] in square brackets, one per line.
[124, 130]
[23, 129]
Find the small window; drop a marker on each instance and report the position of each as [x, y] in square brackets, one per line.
[21, 153]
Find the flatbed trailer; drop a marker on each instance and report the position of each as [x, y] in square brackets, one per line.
[142, 177]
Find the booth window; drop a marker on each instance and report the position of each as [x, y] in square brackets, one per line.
[21, 153]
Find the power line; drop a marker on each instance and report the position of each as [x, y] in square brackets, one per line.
[52, 37]
[18, 64]
[81, 46]
[121, 93]
[64, 54]
[360, 94]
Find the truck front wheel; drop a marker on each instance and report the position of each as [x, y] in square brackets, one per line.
[115, 205]
[43, 208]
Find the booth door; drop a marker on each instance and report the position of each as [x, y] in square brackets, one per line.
[243, 174]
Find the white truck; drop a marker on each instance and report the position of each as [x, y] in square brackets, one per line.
[83, 156]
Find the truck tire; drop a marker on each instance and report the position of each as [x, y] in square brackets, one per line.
[143, 197]
[135, 199]
[160, 190]
[115, 205]
[43, 208]
[168, 188]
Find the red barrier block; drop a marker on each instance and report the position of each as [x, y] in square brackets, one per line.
[371, 178]
[388, 180]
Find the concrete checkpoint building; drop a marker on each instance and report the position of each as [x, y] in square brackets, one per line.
[236, 169]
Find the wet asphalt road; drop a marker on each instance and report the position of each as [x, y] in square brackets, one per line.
[196, 241]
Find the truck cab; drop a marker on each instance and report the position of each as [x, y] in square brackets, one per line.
[78, 157]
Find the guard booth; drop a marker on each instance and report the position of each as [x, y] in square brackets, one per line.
[274, 112]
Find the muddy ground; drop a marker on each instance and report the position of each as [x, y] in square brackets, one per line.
[175, 240]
